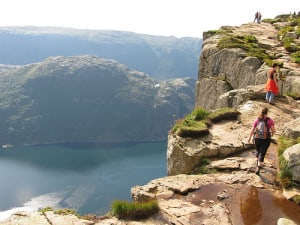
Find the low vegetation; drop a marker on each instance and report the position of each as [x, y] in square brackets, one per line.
[63, 211]
[203, 167]
[286, 24]
[288, 33]
[285, 175]
[249, 44]
[196, 124]
[135, 210]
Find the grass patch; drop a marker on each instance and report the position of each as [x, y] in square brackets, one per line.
[136, 211]
[196, 123]
[223, 114]
[193, 125]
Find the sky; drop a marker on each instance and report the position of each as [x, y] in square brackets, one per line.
[180, 18]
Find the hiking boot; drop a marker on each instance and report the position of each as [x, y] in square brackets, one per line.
[271, 103]
[259, 164]
[257, 170]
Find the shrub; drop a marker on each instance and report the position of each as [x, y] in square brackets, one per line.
[198, 114]
[136, 210]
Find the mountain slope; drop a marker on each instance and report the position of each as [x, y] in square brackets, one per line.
[87, 99]
[159, 56]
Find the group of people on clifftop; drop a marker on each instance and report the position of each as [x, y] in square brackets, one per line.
[257, 17]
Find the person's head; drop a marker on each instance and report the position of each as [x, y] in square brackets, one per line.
[263, 113]
[274, 65]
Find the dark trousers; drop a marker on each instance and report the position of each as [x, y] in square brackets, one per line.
[261, 146]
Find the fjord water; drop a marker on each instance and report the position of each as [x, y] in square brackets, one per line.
[83, 177]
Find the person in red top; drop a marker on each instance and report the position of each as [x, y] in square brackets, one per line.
[262, 143]
[272, 84]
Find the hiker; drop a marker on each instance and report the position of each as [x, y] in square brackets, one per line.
[262, 130]
[272, 84]
[257, 17]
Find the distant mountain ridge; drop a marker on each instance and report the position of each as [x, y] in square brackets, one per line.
[159, 56]
[87, 99]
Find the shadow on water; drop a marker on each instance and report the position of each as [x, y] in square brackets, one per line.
[248, 205]
[75, 157]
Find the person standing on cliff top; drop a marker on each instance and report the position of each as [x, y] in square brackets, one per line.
[257, 17]
[272, 84]
[263, 128]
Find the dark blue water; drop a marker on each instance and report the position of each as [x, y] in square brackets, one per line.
[86, 178]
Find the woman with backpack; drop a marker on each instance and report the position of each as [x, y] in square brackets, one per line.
[262, 130]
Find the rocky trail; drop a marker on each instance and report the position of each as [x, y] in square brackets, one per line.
[267, 35]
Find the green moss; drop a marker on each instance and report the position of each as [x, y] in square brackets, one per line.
[247, 43]
[137, 211]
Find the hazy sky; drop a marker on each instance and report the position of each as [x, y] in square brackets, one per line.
[181, 18]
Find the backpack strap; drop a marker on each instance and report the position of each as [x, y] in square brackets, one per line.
[268, 128]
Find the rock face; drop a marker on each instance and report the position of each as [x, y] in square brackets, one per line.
[224, 71]
[292, 155]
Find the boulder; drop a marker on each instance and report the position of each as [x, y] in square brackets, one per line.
[285, 221]
[292, 155]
